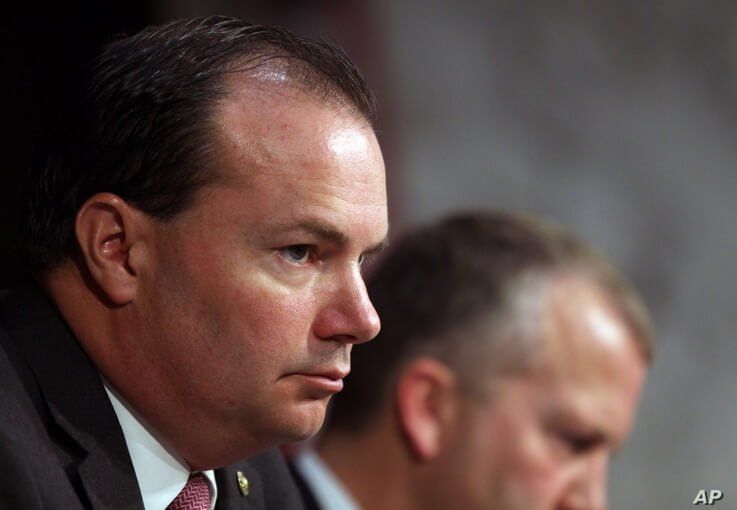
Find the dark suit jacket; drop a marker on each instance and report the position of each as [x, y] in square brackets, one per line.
[60, 442]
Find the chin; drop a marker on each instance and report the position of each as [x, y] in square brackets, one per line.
[308, 419]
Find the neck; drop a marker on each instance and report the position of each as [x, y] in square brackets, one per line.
[373, 464]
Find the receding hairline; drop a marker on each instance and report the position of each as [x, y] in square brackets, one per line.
[273, 70]
[252, 85]
[515, 340]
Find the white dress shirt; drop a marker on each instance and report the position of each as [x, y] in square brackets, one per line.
[160, 472]
[329, 491]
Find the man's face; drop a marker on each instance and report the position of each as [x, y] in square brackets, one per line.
[543, 441]
[255, 295]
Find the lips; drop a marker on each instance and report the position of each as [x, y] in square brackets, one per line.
[330, 373]
[324, 380]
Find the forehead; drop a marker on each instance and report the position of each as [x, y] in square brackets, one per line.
[585, 374]
[263, 124]
[259, 100]
[282, 155]
[580, 330]
[591, 366]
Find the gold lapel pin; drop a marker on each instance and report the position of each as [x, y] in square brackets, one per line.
[242, 482]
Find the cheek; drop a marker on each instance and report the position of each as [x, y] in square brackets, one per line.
[538, 480]
[528, 474]
[232, 302]
[267, 318]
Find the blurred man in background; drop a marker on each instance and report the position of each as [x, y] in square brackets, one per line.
[508, 369]
[196, 251]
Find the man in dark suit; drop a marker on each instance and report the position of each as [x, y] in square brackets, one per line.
[507, 371]
[196, 258]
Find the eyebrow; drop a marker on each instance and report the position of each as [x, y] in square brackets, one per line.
[593, 433]
[378, 247]
[332, 234]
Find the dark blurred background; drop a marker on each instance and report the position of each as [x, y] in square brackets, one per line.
[617, 119]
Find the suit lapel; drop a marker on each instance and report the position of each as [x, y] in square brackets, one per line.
[72, 391]
[230, 496]
[269, 481]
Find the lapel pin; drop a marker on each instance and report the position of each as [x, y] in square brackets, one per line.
[242, 482]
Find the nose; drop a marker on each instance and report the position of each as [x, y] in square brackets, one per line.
[348, 315]
[588, 491]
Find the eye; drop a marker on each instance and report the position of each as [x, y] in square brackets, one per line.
[366, 258]
[578, 443]
[297, 253]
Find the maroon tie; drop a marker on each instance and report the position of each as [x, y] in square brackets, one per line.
[194, 496]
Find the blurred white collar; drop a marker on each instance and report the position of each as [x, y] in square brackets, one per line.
[328, 490]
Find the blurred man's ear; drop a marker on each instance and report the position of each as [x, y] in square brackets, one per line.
[427, 403]
[109, 232]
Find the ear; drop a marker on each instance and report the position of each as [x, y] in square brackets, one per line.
[426, 398]
[109, 232]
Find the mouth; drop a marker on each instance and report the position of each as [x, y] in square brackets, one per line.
[325, 382]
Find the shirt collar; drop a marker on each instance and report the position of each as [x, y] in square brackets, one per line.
[328, 490]
[160, 472]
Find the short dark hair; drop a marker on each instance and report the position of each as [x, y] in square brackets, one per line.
[440, 282]
[145, 130]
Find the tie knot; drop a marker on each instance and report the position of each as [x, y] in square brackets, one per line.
[194, 496]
